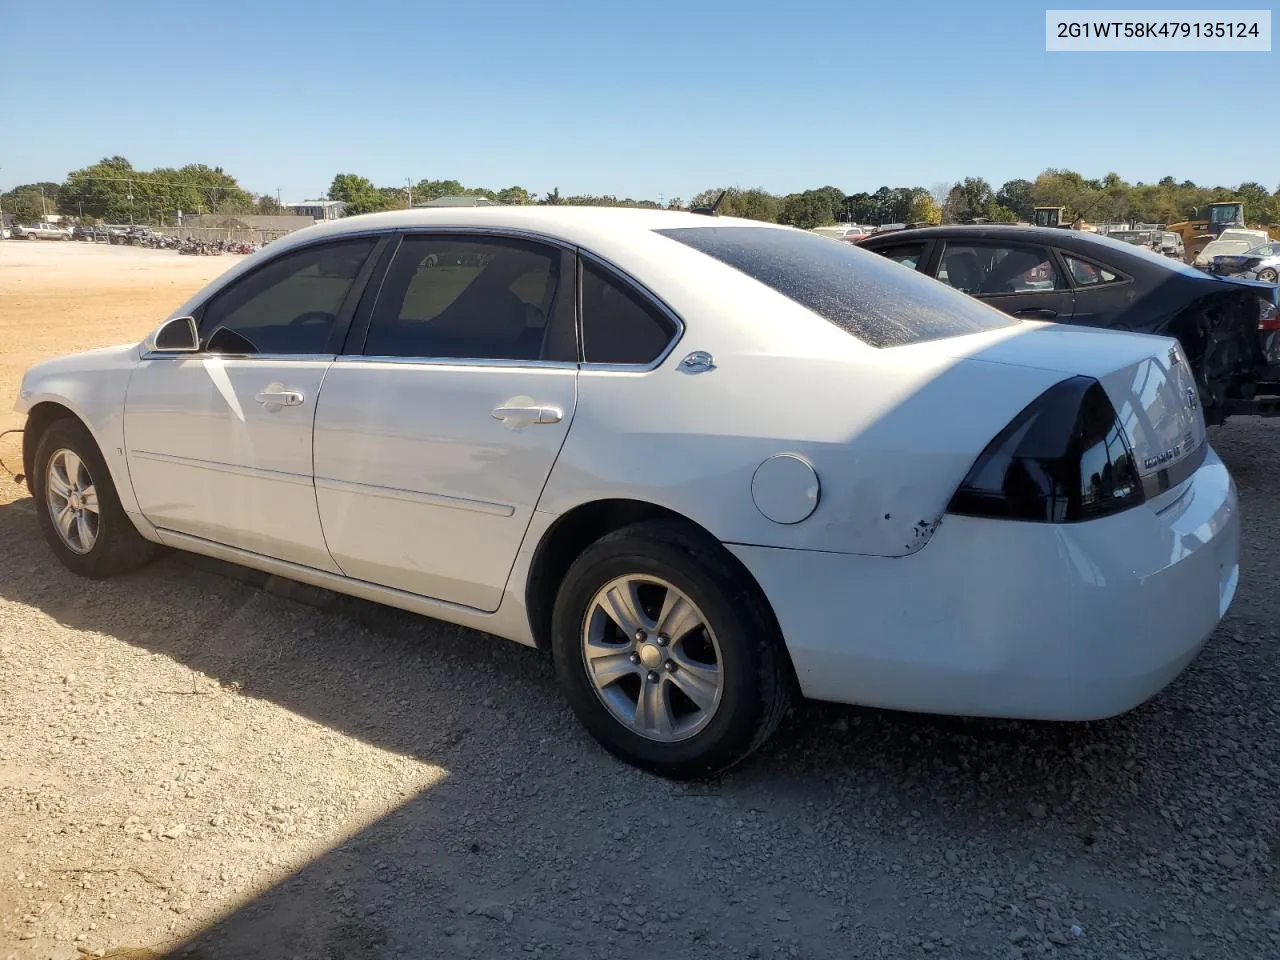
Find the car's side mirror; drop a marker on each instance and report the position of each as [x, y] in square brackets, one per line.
[179, 335]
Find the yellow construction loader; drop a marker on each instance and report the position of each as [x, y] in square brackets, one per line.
[1196, 234]
[1057, 217]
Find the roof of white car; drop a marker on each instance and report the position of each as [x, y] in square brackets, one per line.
[566, 222]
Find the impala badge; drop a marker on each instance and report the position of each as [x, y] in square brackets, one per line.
[698, 362]
[1162, 458]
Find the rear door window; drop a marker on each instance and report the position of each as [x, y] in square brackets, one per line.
[1086, 274]
[619, 324]
[991, 269]
[473, 298]
[855, 289]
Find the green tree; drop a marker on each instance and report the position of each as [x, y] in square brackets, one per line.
[1016, 196]
[268, 206]
[978, 196]
[425, 190]
[807, 210]
[1255, 197]
[860, 207]
[31, 201]
[112, 190]
[755, 203]
[1065, 188]
[516, 196]
[358, 193]
[101, 190]
[395, 198]
[923, 208]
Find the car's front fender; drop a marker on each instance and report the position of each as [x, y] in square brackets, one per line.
[92, 386]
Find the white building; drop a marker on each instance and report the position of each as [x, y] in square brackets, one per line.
[317, 209]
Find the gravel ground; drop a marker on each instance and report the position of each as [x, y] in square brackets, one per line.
[189, 761]
[192, 759]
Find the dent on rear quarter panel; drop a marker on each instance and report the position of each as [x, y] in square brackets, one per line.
[890, 436]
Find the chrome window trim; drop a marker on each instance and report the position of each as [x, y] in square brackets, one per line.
[204, 355]
[647, 294]
[511, 233]
[456, 361]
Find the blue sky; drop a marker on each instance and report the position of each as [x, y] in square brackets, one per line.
[631, 99]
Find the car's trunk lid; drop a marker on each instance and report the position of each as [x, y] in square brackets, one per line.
[1147, 379]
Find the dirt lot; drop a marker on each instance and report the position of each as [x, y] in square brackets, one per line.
[188, 761]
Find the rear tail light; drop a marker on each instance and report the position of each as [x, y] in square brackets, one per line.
[1268, 316]
[1063, 459]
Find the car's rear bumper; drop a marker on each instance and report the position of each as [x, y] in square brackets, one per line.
[1014, 619]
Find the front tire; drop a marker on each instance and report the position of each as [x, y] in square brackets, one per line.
[78, 508]
[669, 657]
[1267, 275]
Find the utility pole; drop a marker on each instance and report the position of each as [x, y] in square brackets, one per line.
[408, 183]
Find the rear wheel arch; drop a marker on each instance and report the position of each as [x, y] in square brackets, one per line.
[586, 523]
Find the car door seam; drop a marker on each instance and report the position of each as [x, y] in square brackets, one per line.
[315, 415]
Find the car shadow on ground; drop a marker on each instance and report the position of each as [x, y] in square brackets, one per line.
[537, 840]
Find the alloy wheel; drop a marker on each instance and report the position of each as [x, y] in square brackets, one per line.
[72, 501]
[652, 658]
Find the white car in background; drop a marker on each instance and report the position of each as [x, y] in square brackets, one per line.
[707, 463]
[1230, 243]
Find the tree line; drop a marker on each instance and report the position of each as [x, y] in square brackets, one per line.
[113, 191]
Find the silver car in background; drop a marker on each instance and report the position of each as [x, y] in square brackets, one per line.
[42, 231]
[1259, 263]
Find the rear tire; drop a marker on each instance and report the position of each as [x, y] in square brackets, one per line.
[1268, 275]
[69, 481]
[708, 683]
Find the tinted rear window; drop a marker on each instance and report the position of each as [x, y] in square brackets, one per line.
[873, 298]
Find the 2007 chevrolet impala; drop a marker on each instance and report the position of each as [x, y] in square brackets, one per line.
[708, 463]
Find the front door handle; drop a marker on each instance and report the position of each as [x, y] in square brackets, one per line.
[285, 398]
[531, 413]
[1037, 312]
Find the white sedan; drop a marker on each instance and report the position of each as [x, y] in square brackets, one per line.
[708, 463]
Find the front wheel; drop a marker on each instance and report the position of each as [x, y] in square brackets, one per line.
[1267, 275]
[670, 659]
[79, 511]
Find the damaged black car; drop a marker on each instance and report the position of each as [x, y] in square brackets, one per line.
[1229, 327]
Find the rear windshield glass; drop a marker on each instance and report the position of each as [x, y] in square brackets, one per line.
[873, 298]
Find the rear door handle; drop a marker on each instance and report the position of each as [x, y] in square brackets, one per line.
[1038, 312]
[528, 414]
[286, 398]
